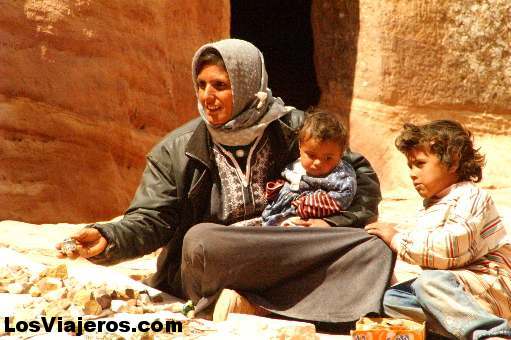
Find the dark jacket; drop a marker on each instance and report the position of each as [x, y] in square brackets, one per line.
[180, 188]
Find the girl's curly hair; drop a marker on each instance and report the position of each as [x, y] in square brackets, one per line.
[449, 141]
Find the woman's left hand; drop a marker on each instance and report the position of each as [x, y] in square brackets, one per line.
[383, 230]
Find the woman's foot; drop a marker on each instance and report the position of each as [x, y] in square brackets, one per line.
[232, 302]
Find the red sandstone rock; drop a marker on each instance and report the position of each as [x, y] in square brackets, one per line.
[86, 89]
[389, 62]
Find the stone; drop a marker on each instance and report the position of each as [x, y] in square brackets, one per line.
[104, 301]
[92, 307]
[135, 310]
[34, 291]
[16, 288]
[72, 282]
[144, 298]
[47, 284]
[143, 336]
[118, 306]
[6, 281]
[58, 308]
[55, 295]
[68, 246]
[81, 297]
[130, 293]
[32, 311]
[59, 271]
[115, 295]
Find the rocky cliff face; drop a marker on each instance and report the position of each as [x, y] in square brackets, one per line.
[86, 89]
[414, 61]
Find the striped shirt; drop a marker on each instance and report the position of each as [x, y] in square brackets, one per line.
[463, 232]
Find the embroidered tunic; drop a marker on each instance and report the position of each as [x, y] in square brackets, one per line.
[463, 232]
[243, 192]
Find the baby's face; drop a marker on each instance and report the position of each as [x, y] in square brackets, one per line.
[319, 157]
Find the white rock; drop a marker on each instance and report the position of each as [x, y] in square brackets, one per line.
[56, 294]
[119, 306]
[15, 288]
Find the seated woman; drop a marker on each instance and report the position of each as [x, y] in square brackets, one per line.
[211, 173]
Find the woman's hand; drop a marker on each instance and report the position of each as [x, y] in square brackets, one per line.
[383, 230]
[89, 242]
[314, 222]
[296, 221]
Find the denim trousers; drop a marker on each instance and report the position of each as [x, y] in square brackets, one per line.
[438, 298]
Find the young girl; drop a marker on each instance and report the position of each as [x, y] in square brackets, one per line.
[319, 183]
[459, 241]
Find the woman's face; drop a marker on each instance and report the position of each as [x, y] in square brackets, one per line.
[215, 94]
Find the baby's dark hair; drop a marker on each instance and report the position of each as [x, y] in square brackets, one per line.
[323, 126]
[209, 57]
[449, 141]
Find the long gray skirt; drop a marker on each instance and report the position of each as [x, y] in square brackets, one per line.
[316, 274]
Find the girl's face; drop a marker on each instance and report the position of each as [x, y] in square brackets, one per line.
[429, 175]
[215, 94]
[319, 157]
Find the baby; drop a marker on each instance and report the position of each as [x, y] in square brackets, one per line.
[319, 183]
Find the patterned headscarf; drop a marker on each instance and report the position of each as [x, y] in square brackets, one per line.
[254, 107]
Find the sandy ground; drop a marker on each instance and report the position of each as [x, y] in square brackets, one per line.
[37, 241]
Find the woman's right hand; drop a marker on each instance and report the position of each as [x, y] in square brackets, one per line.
[89, 242]
[297, 221]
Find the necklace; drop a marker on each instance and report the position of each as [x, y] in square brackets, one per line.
[240, 153]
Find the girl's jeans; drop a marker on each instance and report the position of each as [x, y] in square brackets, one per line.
[437, 297]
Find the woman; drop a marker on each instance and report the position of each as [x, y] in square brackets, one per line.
[214, 169]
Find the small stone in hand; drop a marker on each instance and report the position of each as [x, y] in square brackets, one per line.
[68, 246]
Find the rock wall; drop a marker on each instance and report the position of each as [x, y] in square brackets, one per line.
[417, 61]
[86, 89]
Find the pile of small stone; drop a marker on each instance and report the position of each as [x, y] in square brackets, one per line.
[16, 279]
[57, 294]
